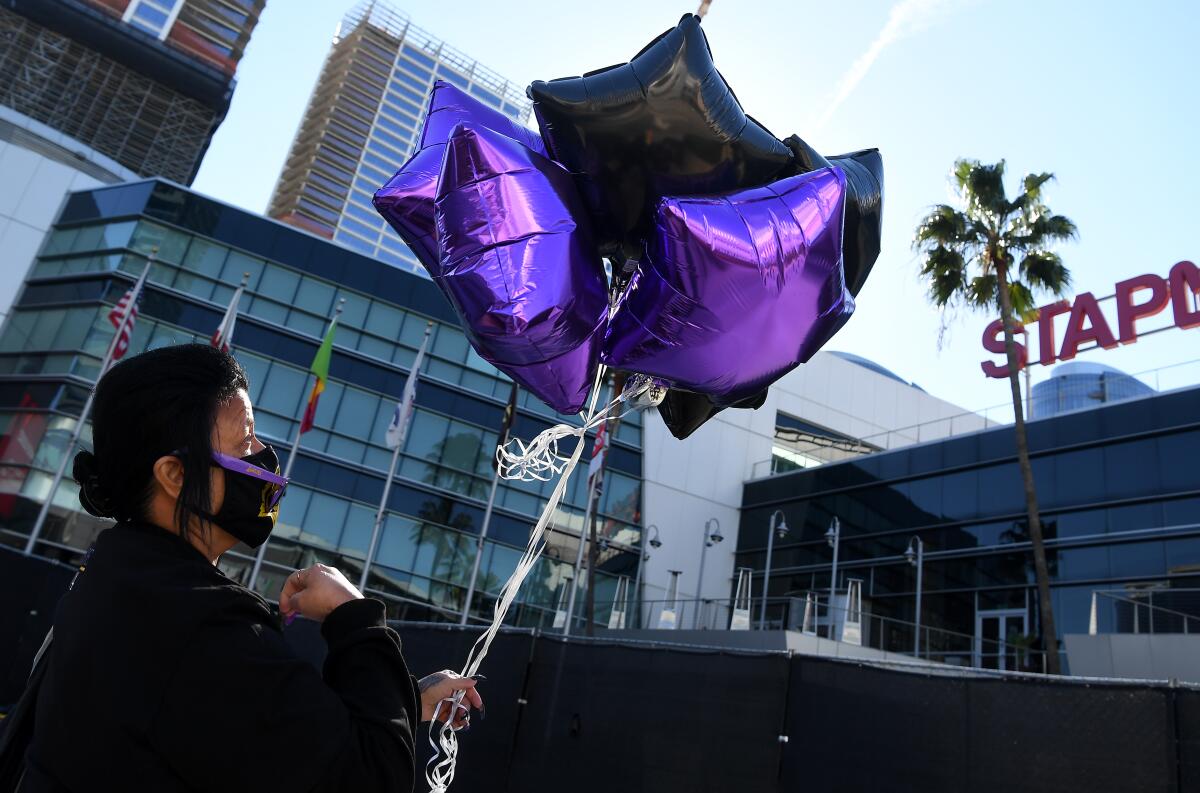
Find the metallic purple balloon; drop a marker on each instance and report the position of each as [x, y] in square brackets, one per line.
[736, 290]
[520, 265]
[406, 201]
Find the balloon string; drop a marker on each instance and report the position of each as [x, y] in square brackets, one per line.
[538, 460]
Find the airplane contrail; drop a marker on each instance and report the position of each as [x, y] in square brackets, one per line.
[906, 17]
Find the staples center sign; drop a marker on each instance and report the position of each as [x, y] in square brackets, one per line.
[1137, 298]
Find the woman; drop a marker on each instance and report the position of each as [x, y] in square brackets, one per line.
[164, 674]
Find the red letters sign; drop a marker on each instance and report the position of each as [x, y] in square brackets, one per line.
[1137, 298]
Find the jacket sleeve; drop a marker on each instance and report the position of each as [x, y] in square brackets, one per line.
[242, 713]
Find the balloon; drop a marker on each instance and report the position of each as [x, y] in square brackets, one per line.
[666, 123]
[519, 264]
[864, 204]
[737, 290]
[406, 201]
[684, 412]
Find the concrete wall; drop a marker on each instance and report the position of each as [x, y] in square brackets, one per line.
[38, 167]
[688, 482]
[1140, 656]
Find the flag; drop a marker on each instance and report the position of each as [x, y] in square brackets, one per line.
[402, 417]
[506, 425]
[128, 303]
[222, 337]
[320, 367]
[596, 466]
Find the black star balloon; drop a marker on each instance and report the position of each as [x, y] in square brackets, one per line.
[684, 412]
[666, 123]
[864, 204]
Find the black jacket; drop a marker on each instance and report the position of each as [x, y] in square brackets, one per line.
[165, 675]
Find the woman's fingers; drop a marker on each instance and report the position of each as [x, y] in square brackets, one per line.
[293, 584]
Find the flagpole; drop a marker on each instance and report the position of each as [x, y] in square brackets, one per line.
[402, 435]
[287, 473]
[583, 540]
[483, 531]
[40, 523]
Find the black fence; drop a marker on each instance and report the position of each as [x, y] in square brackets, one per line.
[597, 715]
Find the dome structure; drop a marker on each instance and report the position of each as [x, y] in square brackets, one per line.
[1083, 384]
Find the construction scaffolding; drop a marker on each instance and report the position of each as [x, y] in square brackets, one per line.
[142, 124]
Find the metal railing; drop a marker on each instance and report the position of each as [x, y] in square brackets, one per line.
[811, 614]
[1162, 610]
[813, 454]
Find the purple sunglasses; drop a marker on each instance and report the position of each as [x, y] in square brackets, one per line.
[240, 466]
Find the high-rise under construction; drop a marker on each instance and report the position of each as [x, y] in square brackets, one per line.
[145, 83]
[362, 123]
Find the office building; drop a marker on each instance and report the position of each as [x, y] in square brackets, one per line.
[362, 123]
[143, 82]
[96, 93]
[52, 344]
[1119, 495]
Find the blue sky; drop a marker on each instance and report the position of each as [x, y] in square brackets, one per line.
[1105, 95]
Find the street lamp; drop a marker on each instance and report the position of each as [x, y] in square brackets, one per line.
[709, 540]
[917, 559]
[644, 557]
[833, 536]
[783, 530]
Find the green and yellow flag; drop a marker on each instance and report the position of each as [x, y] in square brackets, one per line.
[320, 367]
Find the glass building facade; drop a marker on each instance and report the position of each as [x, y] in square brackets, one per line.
[1119, 493]
[1083, 384]
[51, 349]
[363, 121]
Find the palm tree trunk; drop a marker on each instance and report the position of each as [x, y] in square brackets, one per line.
[1041, 570]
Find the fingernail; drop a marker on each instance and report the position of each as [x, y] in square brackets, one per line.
[479, 677]
[483, 711]
[290, 618]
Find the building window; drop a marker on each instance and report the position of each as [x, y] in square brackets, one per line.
[352, 225]
[420, 57]
[153, 16]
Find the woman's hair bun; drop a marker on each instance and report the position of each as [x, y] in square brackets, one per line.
[92, 495]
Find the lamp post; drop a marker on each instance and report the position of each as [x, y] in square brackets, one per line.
[833, 536]
[709, 540]
[916, 559]
[644, 557]
[782, 528]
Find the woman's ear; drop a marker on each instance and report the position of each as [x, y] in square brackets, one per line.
[168, 472]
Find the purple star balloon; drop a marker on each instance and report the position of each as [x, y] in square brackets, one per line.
[520, 265]
[406, 201]
[736, 290]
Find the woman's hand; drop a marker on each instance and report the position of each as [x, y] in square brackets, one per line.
[314, 592]
[443, 685]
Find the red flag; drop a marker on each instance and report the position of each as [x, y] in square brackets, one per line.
[124, 329]
[596, 466]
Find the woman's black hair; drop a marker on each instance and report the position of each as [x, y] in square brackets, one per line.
[161, 402]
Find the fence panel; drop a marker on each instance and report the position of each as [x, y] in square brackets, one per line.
[860, 728]
[604, 718]
[1042, 737]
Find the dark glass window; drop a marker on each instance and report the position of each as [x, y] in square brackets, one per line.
[1080, 476]
[1177, 457]
[1130, 560]
[1131, 469]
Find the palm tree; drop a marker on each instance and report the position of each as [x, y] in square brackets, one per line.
[995, 253]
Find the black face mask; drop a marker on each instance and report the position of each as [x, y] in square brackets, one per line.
[251, 505]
